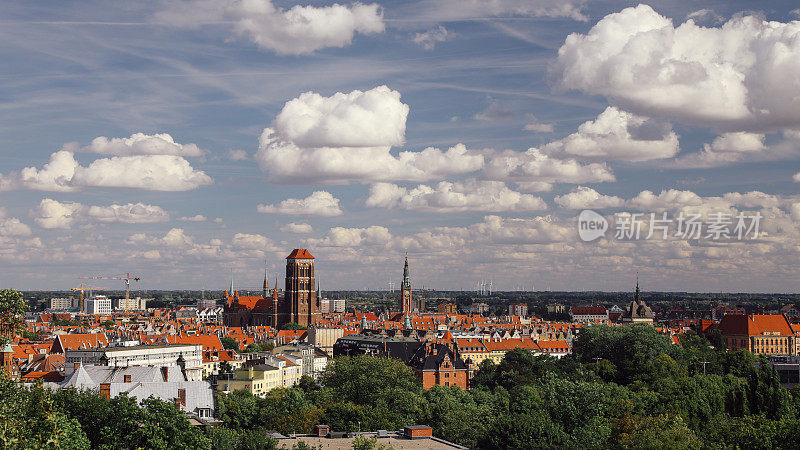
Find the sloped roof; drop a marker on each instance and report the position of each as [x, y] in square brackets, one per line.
[300, 253]
[755, 325]
[208, 341]
[66, 342]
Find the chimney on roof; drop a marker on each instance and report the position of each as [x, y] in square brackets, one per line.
[165, 373]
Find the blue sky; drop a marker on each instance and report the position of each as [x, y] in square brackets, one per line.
[155, 113]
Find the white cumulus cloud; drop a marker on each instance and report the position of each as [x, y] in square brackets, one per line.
[471, 195]
[297, 227]
[741, 76]
[11, 226]
[141, 144]
[149, 172]
[54, 214]
[294, 31]
[537, 171]
[320, 203]
[620, 135]
[195, 218]
[585, 198]
[353, 237]
[349, 137]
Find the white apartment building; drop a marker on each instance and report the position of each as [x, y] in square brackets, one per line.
[337, 305]
[97, 305]
[187, 357]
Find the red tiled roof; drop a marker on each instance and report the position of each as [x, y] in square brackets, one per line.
[755, 325]
[209, 342]
[510, 344]
[300, 253]
[550, 346]
[66, 342]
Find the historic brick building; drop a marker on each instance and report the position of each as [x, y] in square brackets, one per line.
[436, 364]
[299, 303]
[300, 296]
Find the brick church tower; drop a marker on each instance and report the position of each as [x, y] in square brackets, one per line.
[407, 304]
[300, 297]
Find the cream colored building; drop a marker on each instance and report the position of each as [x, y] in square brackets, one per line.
[324, 338]
[277, 371]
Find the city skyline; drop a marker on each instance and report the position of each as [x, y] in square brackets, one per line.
[182, 142]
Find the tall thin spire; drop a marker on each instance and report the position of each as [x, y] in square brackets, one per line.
[406, 276]
[636, 297]
[265, 288]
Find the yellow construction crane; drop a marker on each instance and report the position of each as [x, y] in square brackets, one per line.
[83, 288]
[126, 278]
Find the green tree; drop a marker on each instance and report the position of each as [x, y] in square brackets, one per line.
[459, 416]
[631, 349]
[12, 312]
[229, 343]
[660, 432]
[238, 410]
[292, 326]
[365, 379]
[253, 348]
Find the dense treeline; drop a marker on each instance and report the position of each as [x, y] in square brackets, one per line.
[624, 387]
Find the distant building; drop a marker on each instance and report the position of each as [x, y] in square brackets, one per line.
[324, 305]
[638, 311]
[204, 303]
[324, 338]
[556, 308]
[338, 305]
[447, 308]
[518, 309]
[210, 315]
[397, 347]
[481, 309]
[719, 311]
[314, 360]
[187, 357]
[437, 365]
[759, 333]
[97, 305]
[131, 304]
[588, 314]
[262, 377]
[64, 304]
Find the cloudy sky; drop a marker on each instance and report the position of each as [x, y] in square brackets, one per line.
[185, 141]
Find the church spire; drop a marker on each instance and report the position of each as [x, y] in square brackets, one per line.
[637, 296]
[265, 288]
[406, 276]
